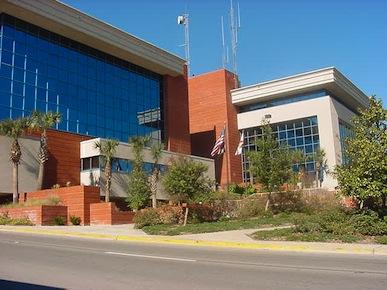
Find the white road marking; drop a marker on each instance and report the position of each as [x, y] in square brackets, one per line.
[151, 257]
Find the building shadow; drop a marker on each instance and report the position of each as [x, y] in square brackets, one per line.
[11, 285]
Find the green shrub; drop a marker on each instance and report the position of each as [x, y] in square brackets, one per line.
[186, 180]
[146, 217]
[381, 240]
[199, 213]
[21, 222]
[75, 220]
[235, 188]
[341, 223]
[6, 220]
[52, 200]
[59, 221]
[289, 202]
[250, 208]
[170, 215]
[369, 223]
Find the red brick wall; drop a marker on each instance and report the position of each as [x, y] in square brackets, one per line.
[38, 215]
[209, 107]
[176, 116]
[77, 198]
[64, 162]
[108, 214]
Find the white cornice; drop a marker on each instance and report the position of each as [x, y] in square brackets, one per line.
[63, 19]
[327, 78]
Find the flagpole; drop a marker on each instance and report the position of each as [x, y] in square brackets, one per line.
[227, 153]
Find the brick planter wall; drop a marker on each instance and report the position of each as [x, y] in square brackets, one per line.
[108, 214]
[38, 215]
[76, 198]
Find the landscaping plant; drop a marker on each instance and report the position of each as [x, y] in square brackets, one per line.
[271, 163]
[14, 129]
[107, 149]
[185, 181]
[156, 150]
[59, 221]
[75, 220]
[139, 189]
[43, 121]
[364, 176]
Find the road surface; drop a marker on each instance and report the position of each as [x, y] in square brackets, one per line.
[30, 261]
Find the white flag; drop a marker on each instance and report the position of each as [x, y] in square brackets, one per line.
[240, 145]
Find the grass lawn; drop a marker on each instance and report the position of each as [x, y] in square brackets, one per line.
[227, 225]
[291, 235]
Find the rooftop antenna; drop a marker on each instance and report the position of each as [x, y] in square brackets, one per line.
[184, 20]
[224, 56]
[235, 21]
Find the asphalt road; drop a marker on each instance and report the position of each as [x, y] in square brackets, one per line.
[44, 262]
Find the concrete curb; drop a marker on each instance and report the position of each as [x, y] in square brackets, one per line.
[365, 249]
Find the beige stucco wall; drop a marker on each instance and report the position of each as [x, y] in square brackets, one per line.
[28, 168]
[327, 110]
[120, 180]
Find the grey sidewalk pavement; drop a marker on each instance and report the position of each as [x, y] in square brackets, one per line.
[232, 239]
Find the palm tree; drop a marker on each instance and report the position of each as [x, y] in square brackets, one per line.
[43, 121]
[156, 150]
[14, 129]
[320, 165]
[107, 149]
[138, 143]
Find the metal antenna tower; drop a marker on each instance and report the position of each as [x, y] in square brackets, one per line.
[235, 21]
[184, 20]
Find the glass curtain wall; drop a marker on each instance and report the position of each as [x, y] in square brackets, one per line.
[97, 94]
[301, 134]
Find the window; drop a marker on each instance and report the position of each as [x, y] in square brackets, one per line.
[346, 132]
[304, 138]
[283, 101]
[90, 88]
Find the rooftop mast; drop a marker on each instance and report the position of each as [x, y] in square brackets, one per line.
[235, 21]
[184, 20]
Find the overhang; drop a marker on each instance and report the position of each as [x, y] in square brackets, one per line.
[329, 79]
[74, 24]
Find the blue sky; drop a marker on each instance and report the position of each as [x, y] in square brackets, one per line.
[277, 37]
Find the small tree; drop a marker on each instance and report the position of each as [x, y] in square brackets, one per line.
[320, 166]
[138, 186]
[156, 150]
[14, 129]
[43, 121]
[271, 164]
[185, 180]
[364, 176]
[107, 149]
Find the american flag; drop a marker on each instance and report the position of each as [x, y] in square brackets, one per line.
[219, 144]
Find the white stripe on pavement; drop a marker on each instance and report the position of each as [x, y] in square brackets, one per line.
[151, 257]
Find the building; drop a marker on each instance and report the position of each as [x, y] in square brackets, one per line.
[92, 171]
[105, 83]
[307, 111]
[210, 110]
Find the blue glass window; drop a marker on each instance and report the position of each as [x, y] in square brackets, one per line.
[304, 138]
[96, 93]
[283, 101]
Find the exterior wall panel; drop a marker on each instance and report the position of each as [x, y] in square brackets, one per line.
[210, 107]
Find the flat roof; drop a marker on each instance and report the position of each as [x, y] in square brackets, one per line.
[328, 78]
[62, 19]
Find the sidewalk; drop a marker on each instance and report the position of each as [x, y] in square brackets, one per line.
[229, 239]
